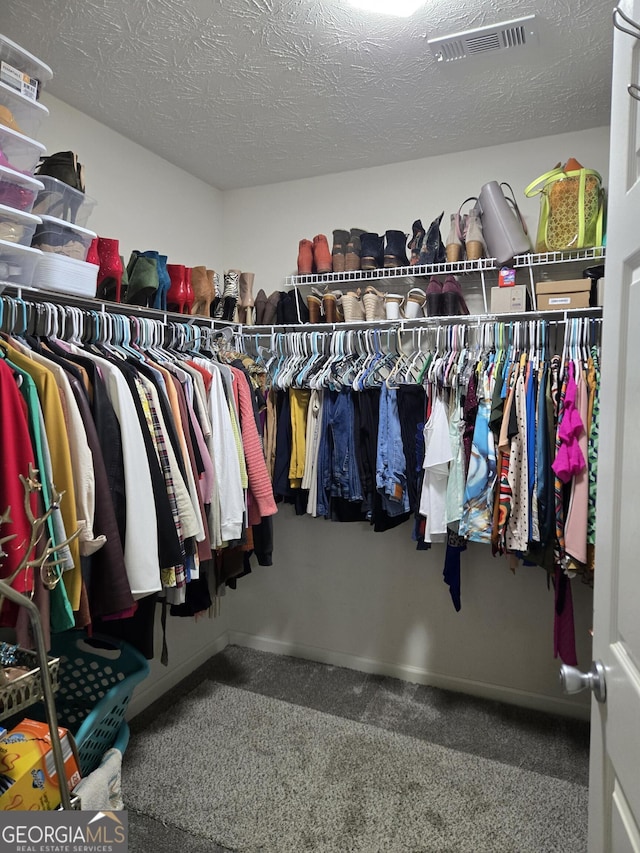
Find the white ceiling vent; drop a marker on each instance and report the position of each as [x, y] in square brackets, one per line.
[510, 34]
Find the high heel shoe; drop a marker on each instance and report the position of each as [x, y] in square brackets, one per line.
[245, 302]
[142, 273]
[189, 295]
[92, 253]
[110, 272]
[177, 294]
[160, 296]
[203, 291]
[230, 293]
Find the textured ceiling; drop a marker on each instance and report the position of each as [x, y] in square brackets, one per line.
[248, 92]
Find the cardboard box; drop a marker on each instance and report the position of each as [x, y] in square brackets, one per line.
[28, 778]
[509, 300]
[562, 295]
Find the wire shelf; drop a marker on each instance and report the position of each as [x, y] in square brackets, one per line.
[458, 268]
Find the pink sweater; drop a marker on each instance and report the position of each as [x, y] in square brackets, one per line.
[260, 488]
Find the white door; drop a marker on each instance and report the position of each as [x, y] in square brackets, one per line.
[614, 806]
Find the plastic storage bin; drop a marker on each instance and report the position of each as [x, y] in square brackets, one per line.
[21, 152]
[61, 274]
[56, 235]
[96, 679]
[20, 113]
[61, 201]
[24, 61]
[16, 226]
[17, 190]
[18, 263]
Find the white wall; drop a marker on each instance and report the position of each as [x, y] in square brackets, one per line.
[143, 201]
[339, 592]
[262, 225]
[342, 593]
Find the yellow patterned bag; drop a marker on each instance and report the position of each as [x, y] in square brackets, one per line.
[571, 208]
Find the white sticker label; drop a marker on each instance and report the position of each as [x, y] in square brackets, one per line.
[560, 300]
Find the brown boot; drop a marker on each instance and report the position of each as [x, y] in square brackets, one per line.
[322, 255]
[271, 308]
[203, 291]
[245, 302]
[260, 305]
[314, 304]
[329, 304]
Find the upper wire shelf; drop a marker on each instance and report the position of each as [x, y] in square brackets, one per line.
[457, 268]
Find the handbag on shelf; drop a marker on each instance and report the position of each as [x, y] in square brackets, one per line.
[571, 208]
[504, 229]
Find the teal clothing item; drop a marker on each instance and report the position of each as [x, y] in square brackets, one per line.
[476, 523]
[61, 615]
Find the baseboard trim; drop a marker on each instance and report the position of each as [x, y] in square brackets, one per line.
[152, 689]
[510, 695]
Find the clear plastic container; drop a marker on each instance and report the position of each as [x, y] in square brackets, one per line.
[21, 151]
[24, 61]
[19, 113]
[18, 263]
[17, 227]
[62, 238]
[18, 190]
[61, 201]
[65, 275]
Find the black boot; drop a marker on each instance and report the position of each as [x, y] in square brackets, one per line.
[433, 250]
[394, 253]
[371, 251]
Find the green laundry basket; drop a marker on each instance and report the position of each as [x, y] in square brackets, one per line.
[96, 679]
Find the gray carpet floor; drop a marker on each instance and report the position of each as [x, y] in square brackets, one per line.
[542, 760]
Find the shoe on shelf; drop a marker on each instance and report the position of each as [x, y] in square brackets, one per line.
[371, 251]
[414, 303]
[435, 302]
[352, 257]
[373, 305]
[474, 238]
[454, 245]
[230, 294]
[322, 255]
[339, 250]
[353, 307]
[109, 284]
[454, 303]
[432, 250]
[330, 306]
[314, 304]
[177, 294]
[415, 244]
[259, 305]
[392, 304]
[93, 257]
[305, 257]
[394, 252]
[246, 302]
[271, 308]
[203, 291]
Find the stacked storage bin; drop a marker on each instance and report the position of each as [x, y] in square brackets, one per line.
[43, 241]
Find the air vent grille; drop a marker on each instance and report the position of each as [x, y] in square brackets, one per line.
[519, 33]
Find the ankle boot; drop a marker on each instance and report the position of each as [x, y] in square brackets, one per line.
[305, 257]
[330, 307]
[435, 302]
[415, 244]
[352, 257]
[230, 293]
[216, 306]
[164, 282]
[259, 306]
[271, 308]
[394, 253]
[203, 291]
[245, 302]
[454, 243]
[339, 251]
[92, 253]
[110, 272]
[432, 250]
[314, 304]
[177, 294]
[454, 303]
[371, 252]
[188, 302]
[322, 255]
[474, 238]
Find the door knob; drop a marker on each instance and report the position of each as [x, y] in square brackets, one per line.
[574, 681]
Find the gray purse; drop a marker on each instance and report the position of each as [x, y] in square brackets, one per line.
[504, 229]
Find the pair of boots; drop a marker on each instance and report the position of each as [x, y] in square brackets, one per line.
[314, 256]
[237, 292]
[445, 299]
[147, 279]
[382, 251]
[426, 246]
[466, 237]
[345, 255]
